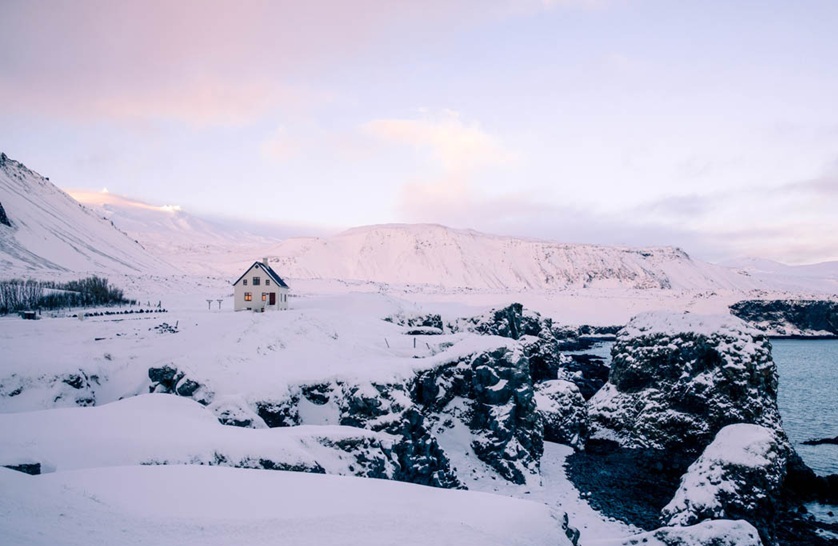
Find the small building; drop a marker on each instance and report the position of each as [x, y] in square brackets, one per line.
[260, 288]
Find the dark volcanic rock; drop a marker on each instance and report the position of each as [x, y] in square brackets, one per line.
[803, 485]
[279, 413]
[509, 322]
[677, 379]
[3, 218]
[169, 379]
[508, 429]
[790, 317]
[821, 441]
[588, 372]
[33, 469]
[564, 413]
[632, 485]
[492, 394]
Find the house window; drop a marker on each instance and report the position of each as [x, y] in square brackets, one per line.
[248, 296]
[244, 282]
[264, 296]
[256, 281]
[267, 282]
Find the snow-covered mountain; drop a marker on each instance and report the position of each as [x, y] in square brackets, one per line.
[195, 244]
[48, 231]
[451, 258]
[814, 277]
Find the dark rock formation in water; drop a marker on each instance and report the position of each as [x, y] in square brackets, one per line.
[677, 379]
[790, 318]
[821, 441]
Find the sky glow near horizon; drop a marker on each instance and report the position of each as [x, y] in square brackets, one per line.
[708, 125]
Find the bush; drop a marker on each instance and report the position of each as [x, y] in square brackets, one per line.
[18, 295]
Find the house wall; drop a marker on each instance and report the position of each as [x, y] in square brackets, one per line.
[239, 289]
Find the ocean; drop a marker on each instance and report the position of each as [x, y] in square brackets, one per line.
[808, 397]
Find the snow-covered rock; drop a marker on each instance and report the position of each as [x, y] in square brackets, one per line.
[707, 533]
[161, 429]
[212, 506]
[678, 378]
[738, 476]
[564, 413]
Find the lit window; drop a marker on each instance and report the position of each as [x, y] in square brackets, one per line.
[256, 281]
[264, 296]
[244, 282]
[248, 296]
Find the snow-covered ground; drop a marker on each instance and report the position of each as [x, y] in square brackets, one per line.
[95, 458]
[190, 504]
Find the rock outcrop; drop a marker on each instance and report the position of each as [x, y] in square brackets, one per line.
[738, 476]
[708, 533]
[790, 318]
[76, 388]
[3, 218]
[170, 380]
[678, 378]
[490, 393]
[564, 413]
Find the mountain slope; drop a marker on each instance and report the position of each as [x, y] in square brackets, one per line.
[449, 258]
[821, 277]
[195, 244]
[49, 231]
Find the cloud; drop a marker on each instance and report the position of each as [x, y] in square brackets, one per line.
[455, 145]
[824, 187]
[197, 61]
[280, 146]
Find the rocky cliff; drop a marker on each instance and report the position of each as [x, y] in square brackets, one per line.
[678, 378]
[790, 318]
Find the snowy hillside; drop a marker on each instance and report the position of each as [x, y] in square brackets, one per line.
[49, 231]
[815, 277]
[195, 244]
[450, 258]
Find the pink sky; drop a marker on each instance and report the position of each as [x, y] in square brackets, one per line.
[708, 125]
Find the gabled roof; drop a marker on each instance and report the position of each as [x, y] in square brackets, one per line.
[268, 270]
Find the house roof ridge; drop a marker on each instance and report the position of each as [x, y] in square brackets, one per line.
[268, 269]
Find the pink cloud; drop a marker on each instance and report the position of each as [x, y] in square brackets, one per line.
[451, 142]
[197, 61]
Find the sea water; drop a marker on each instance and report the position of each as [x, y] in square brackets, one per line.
[808, 397]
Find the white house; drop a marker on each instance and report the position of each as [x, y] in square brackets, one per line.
[260, 288]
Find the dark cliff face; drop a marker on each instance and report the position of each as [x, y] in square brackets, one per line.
[789, 317]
